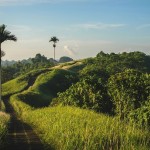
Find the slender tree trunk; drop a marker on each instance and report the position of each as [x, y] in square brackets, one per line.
[54, 53]
[0, 80]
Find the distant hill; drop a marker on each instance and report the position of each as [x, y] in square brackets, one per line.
[63, 59]
[7, 62]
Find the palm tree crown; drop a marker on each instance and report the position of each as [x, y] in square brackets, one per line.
[6, 35]
[55, 40]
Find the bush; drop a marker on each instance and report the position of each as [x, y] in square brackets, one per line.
[141, 116]
[88, 93]
[128, 90]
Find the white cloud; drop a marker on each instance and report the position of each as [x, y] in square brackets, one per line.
[70, 51]
[100, 26]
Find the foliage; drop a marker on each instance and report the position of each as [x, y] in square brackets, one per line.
[46, 87]
[136, 60]
[6, 35]
[21, 83]
[74, 128]
[2, 106]
[4, 120]
[2, 53]
[115, 63]
[128, 90]
[141, 116]
[109, 82]
[65, 59]
[89, 92]
[25, 66]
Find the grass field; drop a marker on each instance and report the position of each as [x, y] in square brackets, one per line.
[4, 120]
[73, 128]
[46, 87]
[20, 83]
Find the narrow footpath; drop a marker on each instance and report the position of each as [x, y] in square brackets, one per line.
[20, 135]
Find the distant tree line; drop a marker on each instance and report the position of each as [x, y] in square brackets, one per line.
[20, 67]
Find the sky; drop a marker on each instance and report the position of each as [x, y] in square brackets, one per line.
[83, 27]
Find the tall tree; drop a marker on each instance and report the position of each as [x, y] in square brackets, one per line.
[2, 53]
[55, 40]
[4, 36]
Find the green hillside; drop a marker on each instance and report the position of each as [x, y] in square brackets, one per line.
[96, 103]
[21, 83]
[46, 87]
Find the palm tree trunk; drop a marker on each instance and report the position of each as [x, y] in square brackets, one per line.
[0, 80]
[54, 53]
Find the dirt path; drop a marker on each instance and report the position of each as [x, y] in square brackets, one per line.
[20, 135]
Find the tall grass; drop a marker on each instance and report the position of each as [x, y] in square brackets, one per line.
[4, 120]
[70, 128]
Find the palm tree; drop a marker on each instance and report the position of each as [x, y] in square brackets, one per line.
[4, 36]
[2, 53]
[55, 40]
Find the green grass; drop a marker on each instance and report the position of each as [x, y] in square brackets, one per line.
[46, 87]
[4, 119]
[74, 128]
[20, 83]
[74, 66]
[71, 128]
[2, 106]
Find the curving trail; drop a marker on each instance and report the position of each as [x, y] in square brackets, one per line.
[20, 135]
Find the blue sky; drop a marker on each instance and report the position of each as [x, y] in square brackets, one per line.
[84, 27]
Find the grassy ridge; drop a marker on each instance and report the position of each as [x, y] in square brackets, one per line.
[46, 87]
[73, 128]
[20, 83]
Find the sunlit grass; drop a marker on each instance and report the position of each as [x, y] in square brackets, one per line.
[20, 83]
[74, 128]
[4, 119]
[46, 87]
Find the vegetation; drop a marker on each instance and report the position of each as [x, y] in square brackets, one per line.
[4, 120]
[141, 116]
[2, 53]
[21, 83]
[2, 106]
[54, 39]
[65, 59]
[4, 36]
[128, 90]
[46, 87]
[110, 83]
[10, 72]
[74, 128]
[116, 89]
